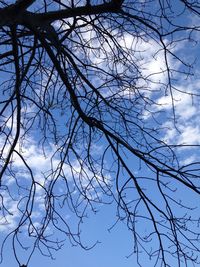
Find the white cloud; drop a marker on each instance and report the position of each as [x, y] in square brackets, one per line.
[8, 217]
[190, 135]
[44, 168]
[188, 160]
[148, 57]
[182, 101]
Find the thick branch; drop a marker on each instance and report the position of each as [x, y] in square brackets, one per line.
[72, 12]
[17, 14]
[23, 4]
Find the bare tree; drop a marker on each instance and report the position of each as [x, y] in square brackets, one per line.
[80, 93]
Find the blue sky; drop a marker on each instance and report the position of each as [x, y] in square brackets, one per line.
[145, 62]
[112, 250]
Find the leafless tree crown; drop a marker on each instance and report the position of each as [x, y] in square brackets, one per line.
[82, 123]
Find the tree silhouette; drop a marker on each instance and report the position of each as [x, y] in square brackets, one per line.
[79, 93]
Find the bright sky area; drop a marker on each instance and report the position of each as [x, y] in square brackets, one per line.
[116, 246]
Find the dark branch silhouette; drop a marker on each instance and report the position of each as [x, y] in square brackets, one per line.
[82, 124]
